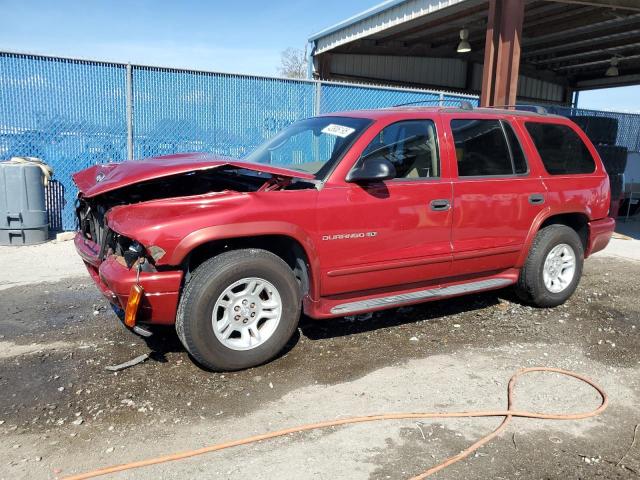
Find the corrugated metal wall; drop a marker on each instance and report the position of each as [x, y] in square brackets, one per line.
[529, 88]
[392, 17]
[446, 73]
[417, 70]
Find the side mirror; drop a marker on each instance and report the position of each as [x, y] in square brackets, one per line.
[372, 170]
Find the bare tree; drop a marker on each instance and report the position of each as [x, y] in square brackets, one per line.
[293, 63]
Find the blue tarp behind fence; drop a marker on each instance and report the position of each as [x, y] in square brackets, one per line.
[76, 113]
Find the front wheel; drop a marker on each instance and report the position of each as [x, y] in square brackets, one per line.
[238, 309]
[553, 268]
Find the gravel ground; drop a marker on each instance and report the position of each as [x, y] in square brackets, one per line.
[61, 412]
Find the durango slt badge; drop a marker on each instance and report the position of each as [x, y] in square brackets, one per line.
[345, 236]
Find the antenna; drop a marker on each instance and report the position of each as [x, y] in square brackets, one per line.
[416, 103]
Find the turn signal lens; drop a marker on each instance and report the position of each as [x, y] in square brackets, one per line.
[132, 306]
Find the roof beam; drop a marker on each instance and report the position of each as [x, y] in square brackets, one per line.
[616, 4]
[394, 49]
[578, 18]
[452, 35]
[464, 14]
[449, 34]
[477, 21]
[592, 50]
[591, 42]
[578, 29]
[552, 20]
[545, 19]
[596, 62]
[604, 82]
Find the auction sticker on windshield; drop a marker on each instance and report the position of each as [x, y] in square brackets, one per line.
[338, 130]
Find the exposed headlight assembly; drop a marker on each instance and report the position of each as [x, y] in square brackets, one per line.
[133, 253]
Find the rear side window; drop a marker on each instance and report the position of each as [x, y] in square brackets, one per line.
[562, 151]
[487, 148]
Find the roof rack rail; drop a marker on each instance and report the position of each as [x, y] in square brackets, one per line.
[538, 108]
[464, 104]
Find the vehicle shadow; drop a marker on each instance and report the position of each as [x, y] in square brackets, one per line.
[165, 340]
[431, 311]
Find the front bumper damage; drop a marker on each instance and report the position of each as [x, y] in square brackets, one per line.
[161, 288]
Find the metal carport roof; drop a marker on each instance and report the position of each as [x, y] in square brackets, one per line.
[566, 45]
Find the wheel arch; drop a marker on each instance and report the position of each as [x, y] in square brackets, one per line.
[578, 221]
[295, 248]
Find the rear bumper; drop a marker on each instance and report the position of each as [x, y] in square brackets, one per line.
[600, 232]
[114, 280]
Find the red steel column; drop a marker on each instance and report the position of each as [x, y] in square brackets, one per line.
[502, 52]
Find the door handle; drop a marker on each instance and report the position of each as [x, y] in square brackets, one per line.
[536, 199]
[440, 205]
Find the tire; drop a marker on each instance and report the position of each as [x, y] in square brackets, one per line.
[600, 130]
[208, 287]
[614, 158]
[531, 285]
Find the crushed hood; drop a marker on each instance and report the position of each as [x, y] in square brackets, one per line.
[100, 179]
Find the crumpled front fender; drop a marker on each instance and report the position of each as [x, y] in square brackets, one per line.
[164, 223]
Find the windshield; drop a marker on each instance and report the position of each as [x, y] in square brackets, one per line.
[312, 145]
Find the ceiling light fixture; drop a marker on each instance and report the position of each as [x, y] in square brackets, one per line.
[613, 71]
[464, 46]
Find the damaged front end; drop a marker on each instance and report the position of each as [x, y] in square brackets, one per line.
[117, 264]
[132, 213]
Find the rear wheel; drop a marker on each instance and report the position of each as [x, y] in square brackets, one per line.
[553, 268]
[238, 310]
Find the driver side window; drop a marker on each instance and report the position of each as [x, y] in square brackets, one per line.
[411, 146]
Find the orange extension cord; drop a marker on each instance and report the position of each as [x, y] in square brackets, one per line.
[508, 415]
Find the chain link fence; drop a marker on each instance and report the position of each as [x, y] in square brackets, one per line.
[628, 123]
[185, 111]
[70, 113]
[337, 96]
[76, 113]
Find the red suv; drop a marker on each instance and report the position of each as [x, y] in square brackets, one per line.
[343, 214]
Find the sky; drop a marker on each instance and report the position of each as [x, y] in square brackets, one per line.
[241, 36]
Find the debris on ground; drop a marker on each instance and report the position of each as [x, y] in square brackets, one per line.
[130, 363]
[633, 442]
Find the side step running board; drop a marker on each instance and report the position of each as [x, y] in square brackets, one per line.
[431, 293]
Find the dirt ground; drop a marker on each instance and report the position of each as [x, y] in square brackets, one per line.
[61, 412]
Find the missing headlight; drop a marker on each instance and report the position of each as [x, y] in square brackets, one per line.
[133, 253]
